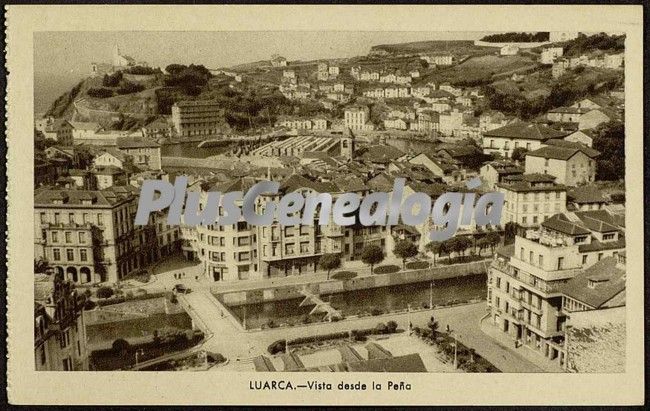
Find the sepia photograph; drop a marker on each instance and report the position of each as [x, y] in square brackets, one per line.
[384, 202]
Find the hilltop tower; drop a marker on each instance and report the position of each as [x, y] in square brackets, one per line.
[348, 143]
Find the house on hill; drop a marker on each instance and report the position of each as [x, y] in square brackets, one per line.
[570, 163]
[520, 134]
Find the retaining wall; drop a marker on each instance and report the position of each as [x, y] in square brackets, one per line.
[289, 292]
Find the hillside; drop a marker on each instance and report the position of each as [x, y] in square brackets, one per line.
[453, 47]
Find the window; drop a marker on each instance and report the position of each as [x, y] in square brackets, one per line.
[83, 255]
[580, 239]
[68, 237]
[534, 219]
[69, 254]
[82, 237]
[71, 218]
[56, 254]
[524, 220]
[584, 259]
[57, 218]
[609, 236]
[540, 261]
[531, 257]
[64, 338]
[600, 256]
[560, 263]
[55, 237]
[43, 218]
[100, 220]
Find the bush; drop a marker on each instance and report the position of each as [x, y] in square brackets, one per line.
[129, 88]
[141, 70]
[112, 80]
[105, 292]
[391, 326]
[381, 328]
[89, 305]
[376, 311]
[121, 345]
[216, 358]
[344, 275]
[100, 92]
[319, 338]
[277, 347]
[386, 269]
[417, 265]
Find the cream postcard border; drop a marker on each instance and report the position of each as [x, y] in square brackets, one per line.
[27, 386]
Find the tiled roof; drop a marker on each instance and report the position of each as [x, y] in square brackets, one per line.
[586, 195]
[559, 222]
[558, 153]
[296, 182]
[73, 198]
[609, 279]
[379, 153]
[524, 130]
[404, 363]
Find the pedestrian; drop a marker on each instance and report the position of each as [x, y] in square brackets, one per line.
[448, 329]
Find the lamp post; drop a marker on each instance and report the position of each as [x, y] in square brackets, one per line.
[431, 295]
[409, 316]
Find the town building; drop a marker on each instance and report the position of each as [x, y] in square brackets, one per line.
[526, 280]
[357, 118]
[59, 329]
[278, 61]
[571, 164]
[197, 118]
[530, 199]
[550, 54]
[529, 136]
[586, 198]
[89, 235]
[497, 171]
[145, 153]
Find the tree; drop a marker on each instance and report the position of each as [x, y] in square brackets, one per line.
[519, 154]
[610, 141]
[482, 243]
[330, 262]
[121, 345]
[434, 248]
[371, 255]
[493, 240]
[433, 326]
[405, 249]
[510, 231]
[461, 245]
[391, 326]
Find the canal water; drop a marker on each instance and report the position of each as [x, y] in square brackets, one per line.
[191, 150]
[386, 299]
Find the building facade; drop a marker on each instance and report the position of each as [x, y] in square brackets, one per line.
[197, 119]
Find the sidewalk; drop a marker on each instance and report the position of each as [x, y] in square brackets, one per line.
[525, 352]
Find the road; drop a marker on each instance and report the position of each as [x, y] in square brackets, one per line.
[235, 343]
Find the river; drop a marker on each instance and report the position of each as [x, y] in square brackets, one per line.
[386, 299]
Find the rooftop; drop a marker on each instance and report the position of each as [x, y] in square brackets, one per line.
[597, 284]
[525, 130]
